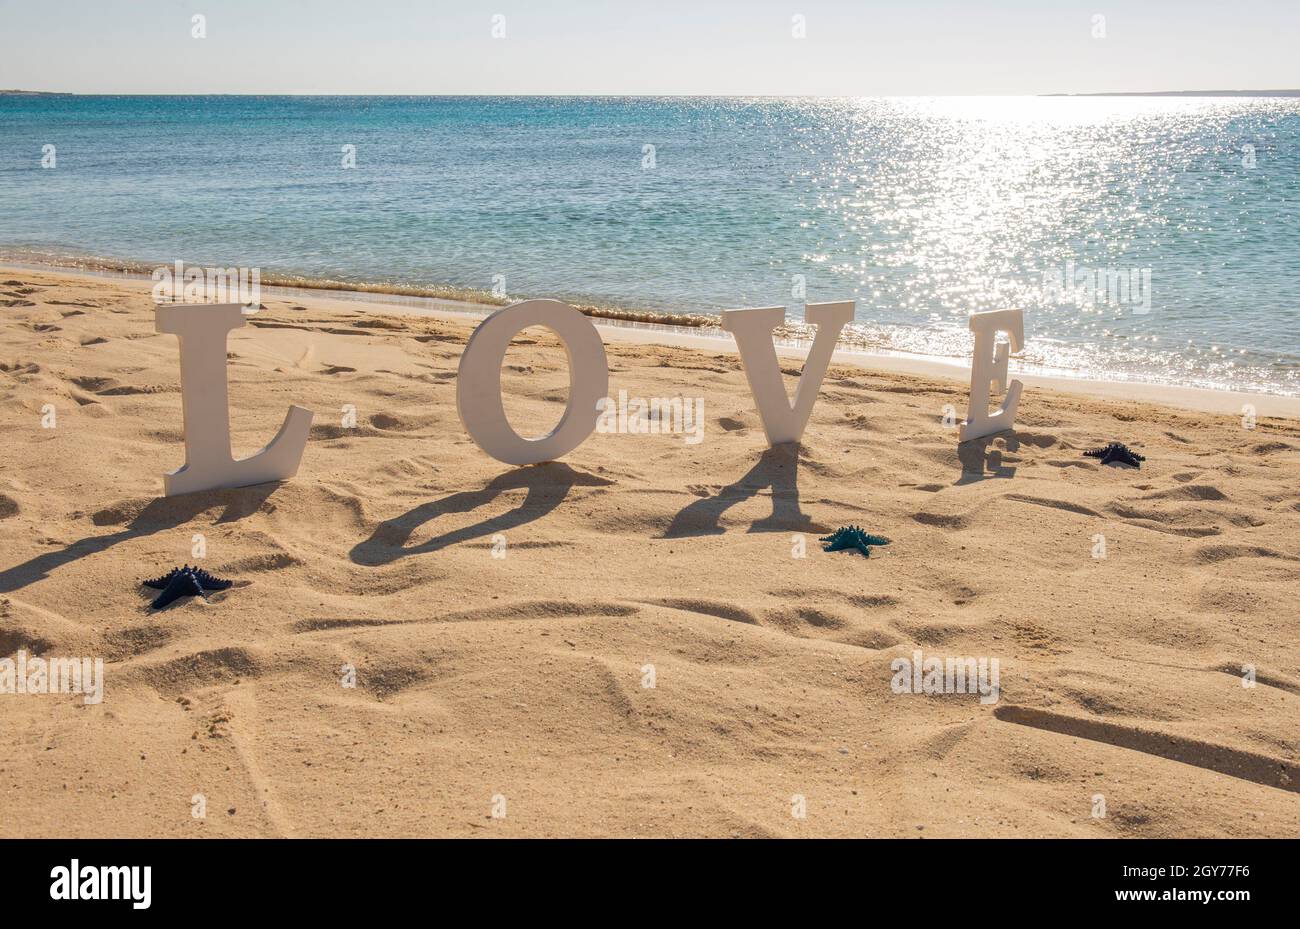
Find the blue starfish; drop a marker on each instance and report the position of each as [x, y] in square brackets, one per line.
[206, 580]
[184, 582]
[852, 537]
[1116, 451]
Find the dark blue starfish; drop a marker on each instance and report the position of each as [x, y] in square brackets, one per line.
[852, 537]
[184, 582]
[206, 580]
[1116, 451]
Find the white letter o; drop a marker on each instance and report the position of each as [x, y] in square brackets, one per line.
[478, 382]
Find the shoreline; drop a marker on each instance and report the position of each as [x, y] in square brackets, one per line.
[124, 269]
[1179, 396]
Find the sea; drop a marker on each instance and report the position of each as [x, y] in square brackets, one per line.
[1149, 239]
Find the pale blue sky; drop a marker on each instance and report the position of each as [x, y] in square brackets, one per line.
[852, 47]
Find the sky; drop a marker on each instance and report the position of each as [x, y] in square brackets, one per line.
[790, 47]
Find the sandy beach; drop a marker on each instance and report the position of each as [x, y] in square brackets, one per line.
[504, 624]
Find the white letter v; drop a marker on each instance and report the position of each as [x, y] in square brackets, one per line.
[783, 421]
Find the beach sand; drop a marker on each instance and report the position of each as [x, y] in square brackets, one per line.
[516, 684]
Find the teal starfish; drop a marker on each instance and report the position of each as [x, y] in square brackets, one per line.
[847, 537]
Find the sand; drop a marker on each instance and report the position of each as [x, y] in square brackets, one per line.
[515, 685]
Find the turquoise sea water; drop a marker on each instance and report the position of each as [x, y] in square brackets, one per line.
[921, 209]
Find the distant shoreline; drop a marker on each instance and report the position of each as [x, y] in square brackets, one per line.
[1117, 93]
[1186, 93]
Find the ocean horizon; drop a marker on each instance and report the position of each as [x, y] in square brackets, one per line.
[1146, 238]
